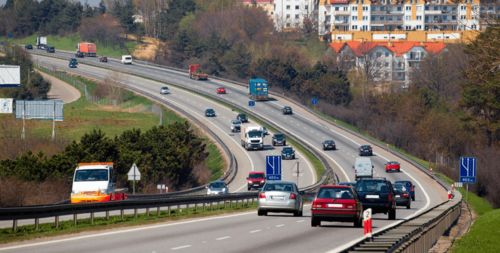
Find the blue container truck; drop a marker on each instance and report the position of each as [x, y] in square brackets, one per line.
[257, 89]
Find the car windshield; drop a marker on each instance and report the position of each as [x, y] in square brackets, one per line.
[405, 183]
[399, 187]
[256, 175]
[365, 147]
[91, 175]
[371, 186]
[254, 134]
[210, 110]
[242, 116]
[287, 150]
[128, 58]
[335, 193]
[164, 88]
[329, 142]
[279, 136]
[217, 185]
[393, 163]
[279, 187]
[236, 122]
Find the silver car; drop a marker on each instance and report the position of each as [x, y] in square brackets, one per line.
[217, 187]
[281, 197]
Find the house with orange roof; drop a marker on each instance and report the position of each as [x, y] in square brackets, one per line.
[385, 61]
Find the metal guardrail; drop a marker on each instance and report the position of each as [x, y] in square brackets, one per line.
[47, 211]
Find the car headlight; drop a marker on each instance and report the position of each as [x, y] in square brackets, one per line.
[209, 191]
[249, 181]
[224, 190]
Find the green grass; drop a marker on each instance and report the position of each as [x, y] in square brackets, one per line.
[69, 43]
[214, 161]
[483, 236]
[68, 227]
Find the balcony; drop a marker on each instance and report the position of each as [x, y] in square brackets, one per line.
[433, 12]
[388, 22]
[342, 21]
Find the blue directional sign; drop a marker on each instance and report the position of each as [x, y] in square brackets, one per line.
[467, 169]
[273, 167]
[314, 101]
[251, 103]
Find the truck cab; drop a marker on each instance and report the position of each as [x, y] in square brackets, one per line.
[126, 59]
[252, 137]
[94, 182]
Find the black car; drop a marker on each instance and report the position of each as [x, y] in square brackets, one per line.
[287, 153]
[329, 145]
[402, 197]
[365, 150]
[279, 139]
[103, 59]
[210, 112]
[51, 49]
[287, 110]
[242, 117]
[79, 54]
[28, 46]
[409, 186]
[73, 63]
[377, 194]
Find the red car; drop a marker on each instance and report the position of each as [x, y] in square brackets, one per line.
[392, 166]
[256, 179]
[221, 90]
[336, 203]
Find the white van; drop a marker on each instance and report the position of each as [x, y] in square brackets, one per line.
[363, 168]
[127, 59]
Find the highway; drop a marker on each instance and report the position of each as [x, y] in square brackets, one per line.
[247, 231]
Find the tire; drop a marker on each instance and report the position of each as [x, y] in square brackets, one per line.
[261, 213]
[358, 223]
[284, 143]
[293, 157]
[392, 214]
[249, 188]
[297, 213]
[413, 198]
[408, 206]
[315, 222]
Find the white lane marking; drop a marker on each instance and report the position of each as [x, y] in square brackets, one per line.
[124, 231]
[280, 225]
[181, 247]
[299, 221]
[255, 231]
[223, 238]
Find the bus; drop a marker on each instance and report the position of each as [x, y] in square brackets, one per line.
[95, 182]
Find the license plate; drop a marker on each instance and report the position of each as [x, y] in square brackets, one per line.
[372, 196]
[335, 205]
[397, 196]
[278, 197]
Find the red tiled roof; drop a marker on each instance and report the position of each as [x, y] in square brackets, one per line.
[398, 48]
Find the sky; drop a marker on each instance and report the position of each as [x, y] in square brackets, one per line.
[90, 2]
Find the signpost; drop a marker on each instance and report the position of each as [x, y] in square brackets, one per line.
[6, 105]
[10, 76]
[251, 103]
[367, 222]
[314, 101]
[134, 175]
[467, 172]
[40, 109]
[273, 167]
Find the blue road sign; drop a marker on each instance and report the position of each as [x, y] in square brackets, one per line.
[251, 103]
[273, 167]
[314, 101]
[467, 169]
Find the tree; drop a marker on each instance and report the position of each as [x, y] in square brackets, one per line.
[481, 92]
[103, 28]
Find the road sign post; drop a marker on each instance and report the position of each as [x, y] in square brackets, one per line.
[468, 172]
[251, 103]
[273, 167]
[134, 175]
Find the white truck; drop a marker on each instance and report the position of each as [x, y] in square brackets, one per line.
[363, 168]
[41, 42]
[252, 137]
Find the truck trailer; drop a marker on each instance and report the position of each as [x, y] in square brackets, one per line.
[95, 182]
[196, 73]
[41, 42]
[258, 89]
[87, 49]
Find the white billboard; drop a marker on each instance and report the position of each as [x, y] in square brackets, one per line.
[6, 105]
[10, 76]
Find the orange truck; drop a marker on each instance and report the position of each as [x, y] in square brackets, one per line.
[87, 49]
[195, 72]
[95, 182]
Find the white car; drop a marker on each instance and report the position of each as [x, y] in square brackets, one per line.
[127, 59]
[164, 90]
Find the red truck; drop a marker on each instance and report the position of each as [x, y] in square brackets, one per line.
[87, 49]
[195, 72]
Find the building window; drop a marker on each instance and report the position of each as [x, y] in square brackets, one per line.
[386, 54]
[407, 17]
[306, 7]
[297, 16]
[337, 8]
[354, 18]
[288, 7]
[354, 27]
[354, 8]
[364, 28]
[346, 8]
[399, 8]
[419, 17]
[297, 7]
[427, 7]
[287, 16]
[382, 18]
[408, 8]
[462, 17]
[365, 17]
[453, 17]
[462, 7]
[365, 8]
[419, 27]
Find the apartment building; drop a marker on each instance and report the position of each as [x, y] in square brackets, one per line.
[385, 61]
[391, 15]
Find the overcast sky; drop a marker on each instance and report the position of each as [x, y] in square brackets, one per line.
[90, 2]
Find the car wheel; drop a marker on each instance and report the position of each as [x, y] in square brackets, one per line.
[249, 188]
[261, 213]
[408, 206]
[293, 157]
[358, 222]
[297, 213]
[284, 143]
[315, 222]
[413, 198]
[392, 214]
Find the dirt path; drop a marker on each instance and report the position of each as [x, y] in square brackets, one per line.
[60, 89]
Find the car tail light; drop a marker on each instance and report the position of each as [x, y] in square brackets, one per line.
[293, 196]
[405, 195]
[262, 195]
[317, 205]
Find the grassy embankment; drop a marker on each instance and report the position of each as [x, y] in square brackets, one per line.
[69, 43]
